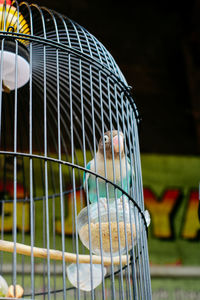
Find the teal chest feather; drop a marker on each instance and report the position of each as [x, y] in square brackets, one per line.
[106, 191]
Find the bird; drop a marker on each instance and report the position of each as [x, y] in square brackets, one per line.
[111, 141]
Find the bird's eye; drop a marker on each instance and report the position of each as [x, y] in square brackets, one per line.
[106, 139]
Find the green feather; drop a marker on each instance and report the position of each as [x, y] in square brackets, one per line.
[92, 185]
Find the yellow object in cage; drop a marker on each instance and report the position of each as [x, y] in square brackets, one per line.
[13, 21]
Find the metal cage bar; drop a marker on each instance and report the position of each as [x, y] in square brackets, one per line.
[65, 183]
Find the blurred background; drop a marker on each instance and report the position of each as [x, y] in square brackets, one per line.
[157, 46]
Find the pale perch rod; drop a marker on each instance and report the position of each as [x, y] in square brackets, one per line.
[7, 246]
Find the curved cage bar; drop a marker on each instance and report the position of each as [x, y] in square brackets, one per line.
[72, 216]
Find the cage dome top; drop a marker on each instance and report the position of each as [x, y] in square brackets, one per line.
[63, 60]
[34, 23]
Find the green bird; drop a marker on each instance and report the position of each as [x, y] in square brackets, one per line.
[123, 173]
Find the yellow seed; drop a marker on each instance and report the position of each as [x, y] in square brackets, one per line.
[95, 238]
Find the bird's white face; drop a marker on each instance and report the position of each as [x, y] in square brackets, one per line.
[117, 141]
[106, 139]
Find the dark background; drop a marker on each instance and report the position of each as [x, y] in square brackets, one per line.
[156, 45]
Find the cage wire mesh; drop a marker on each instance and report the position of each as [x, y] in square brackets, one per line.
[70, 175]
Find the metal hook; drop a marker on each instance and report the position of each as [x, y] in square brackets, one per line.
[12, 29]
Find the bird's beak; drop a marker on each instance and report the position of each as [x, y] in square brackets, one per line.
[118, 144]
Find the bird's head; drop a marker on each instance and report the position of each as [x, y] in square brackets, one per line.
[118, 144]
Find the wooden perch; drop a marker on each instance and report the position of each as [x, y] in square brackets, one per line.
[58, 255]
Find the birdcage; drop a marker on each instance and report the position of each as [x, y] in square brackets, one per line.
[72, 218]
